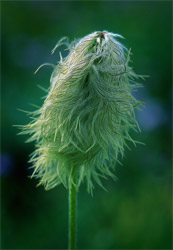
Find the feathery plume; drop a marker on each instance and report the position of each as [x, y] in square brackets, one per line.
[84, 123]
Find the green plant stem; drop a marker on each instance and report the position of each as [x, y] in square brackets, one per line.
[72, 215]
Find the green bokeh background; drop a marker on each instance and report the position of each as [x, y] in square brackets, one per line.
[135, 213]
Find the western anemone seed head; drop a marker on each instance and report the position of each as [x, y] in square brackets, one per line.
[85, 119]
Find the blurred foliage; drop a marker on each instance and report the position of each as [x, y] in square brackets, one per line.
[135, 213]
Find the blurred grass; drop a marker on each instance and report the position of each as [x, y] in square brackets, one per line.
[135, 213]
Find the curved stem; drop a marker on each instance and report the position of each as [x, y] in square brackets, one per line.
[72, 214]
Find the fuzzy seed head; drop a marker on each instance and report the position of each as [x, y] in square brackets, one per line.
[84, 123]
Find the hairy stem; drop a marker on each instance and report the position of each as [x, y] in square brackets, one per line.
[72, 214]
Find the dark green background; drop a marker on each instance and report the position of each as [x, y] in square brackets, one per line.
[135, 213]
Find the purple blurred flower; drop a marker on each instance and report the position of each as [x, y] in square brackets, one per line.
[6, 164]
[152, 116]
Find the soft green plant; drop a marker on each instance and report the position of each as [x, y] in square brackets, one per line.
[84, 123]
